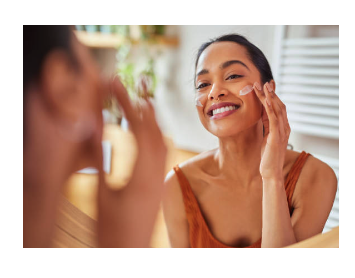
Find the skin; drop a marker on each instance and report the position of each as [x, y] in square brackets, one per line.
[65, 107]
[240, 185]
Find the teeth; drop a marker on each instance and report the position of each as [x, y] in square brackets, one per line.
[223, 109]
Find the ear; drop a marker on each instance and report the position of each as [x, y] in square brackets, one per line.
[58, 84]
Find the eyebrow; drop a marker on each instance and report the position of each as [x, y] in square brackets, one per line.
[223, 66]
[231, 62]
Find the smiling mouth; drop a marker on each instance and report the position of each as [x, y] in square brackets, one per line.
[221, 110]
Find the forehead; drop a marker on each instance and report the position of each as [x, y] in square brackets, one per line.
[220, 52]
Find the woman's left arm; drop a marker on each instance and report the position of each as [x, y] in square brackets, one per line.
[311, 212]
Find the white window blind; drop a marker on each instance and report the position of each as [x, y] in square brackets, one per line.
[308, 83]
[306, 71]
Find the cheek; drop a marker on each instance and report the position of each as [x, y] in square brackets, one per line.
[200, 103]
[200, 99]
[201, 115]
[253, 107]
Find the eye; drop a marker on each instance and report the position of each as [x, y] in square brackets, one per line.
[234, 76]
[203, 85]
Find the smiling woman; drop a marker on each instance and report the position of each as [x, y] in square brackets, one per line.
[242, 66]
[250, 191]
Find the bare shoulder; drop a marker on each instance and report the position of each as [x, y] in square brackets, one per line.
[190, 169]
[313, 168]
[316, 179]
[313, 198]
[317, 171]
[172, 191]
[198, 161]
[173, 203]
[174, 212]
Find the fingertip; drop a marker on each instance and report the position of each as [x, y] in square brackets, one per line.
[256, 86]
[265, 87]
[255, 89]
[269, 87]
[258, 92]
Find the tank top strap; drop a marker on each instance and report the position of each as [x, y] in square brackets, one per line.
[293, 176]
[191, 204]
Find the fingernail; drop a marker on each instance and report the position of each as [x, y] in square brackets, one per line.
[257, 85]
[268, 102]
[269, 86]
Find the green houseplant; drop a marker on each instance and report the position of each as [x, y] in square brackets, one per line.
[134, 59]
[129, 70]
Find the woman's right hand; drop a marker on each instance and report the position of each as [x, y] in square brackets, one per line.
[127, 216]
[144, 127]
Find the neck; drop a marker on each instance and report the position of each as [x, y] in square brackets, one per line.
[239, 156]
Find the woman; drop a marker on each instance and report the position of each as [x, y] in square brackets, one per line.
[251, 191]
[63, 100]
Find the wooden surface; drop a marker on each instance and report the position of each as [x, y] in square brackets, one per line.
[102, 40]
[326, 240]
[73, 227]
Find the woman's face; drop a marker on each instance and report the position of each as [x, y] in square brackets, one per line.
[222, 71]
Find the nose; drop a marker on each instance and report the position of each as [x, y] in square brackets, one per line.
[216, 92]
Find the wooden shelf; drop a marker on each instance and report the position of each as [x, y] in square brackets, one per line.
[102, 40]
[99, 40]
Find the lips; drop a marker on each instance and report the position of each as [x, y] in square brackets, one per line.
[221, 105]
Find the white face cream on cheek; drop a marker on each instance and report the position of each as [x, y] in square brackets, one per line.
[246, 90]
[198, 100]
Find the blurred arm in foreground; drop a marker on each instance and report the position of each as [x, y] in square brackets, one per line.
[63, 96]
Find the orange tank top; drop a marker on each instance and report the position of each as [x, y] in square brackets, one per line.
[199, 233]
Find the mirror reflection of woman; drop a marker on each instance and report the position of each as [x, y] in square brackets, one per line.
[63, 100]
[251, 191]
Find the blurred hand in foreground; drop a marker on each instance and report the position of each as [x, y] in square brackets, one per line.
[126, 217]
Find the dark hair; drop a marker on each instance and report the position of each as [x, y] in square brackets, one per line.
[38, 42]
[254, 53]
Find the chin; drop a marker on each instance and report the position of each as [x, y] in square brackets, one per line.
[222, 130]
[228, 128]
